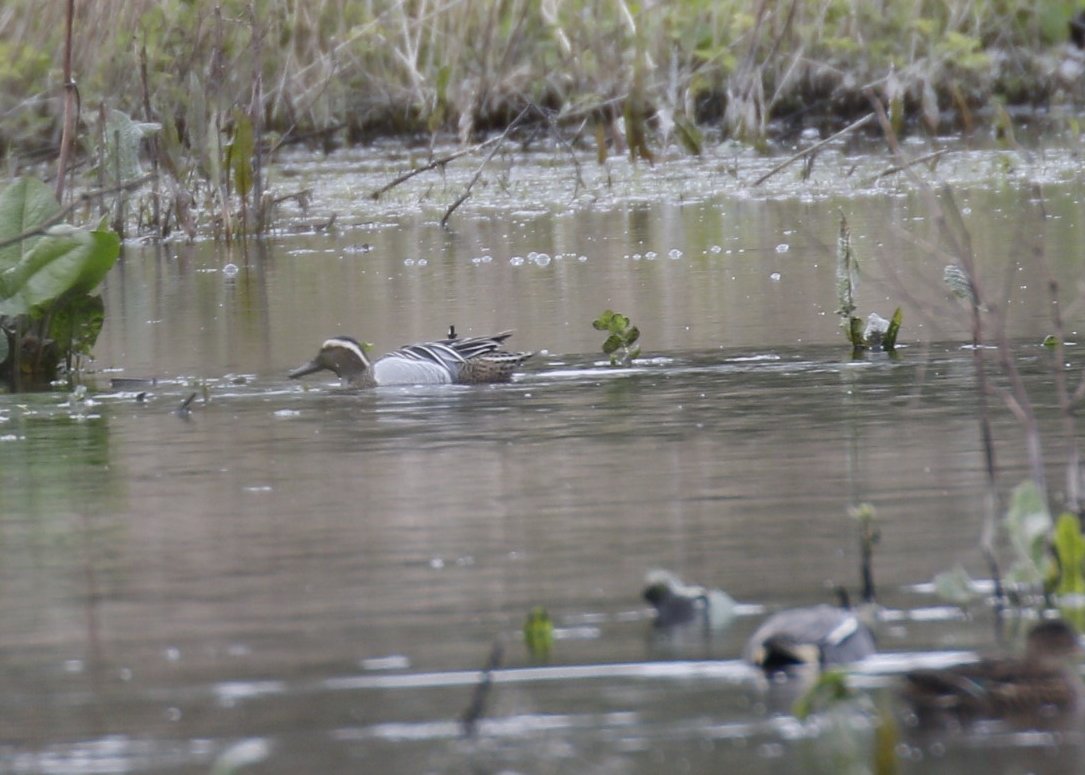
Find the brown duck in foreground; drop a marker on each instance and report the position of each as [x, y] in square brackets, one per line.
[1043, 683]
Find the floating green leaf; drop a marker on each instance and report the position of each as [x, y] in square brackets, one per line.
[889, 341]
[830, 689]
[602, 323]
[623, 335]
[1028, 525]
[1070, 550]
[956, 586]
[539, 633]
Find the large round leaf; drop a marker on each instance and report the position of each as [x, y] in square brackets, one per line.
[65, 260]
[24, 205]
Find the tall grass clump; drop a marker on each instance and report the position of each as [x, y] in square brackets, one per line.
[620, 76]
[371, 67]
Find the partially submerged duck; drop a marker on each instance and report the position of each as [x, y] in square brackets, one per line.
[678, 604]
[472, 361]
[1045, 681]
[821, 635]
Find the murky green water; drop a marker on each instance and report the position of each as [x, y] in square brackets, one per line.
[312, 576]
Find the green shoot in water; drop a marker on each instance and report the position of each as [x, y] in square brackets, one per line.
[622, 338]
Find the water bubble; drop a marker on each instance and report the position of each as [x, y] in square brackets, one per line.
[531, 255]
[636, 256]
[172, 653]
[423, 262]
[230, 270]
[775, 276]
[582, 259]
[651, 255]
[517, 260]
[783, 247]
[73, 666]
[542, 259]
[715, 249]
[486, 259]
[408, 262]
[674, 254]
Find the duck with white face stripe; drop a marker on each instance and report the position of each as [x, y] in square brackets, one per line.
[471, 361]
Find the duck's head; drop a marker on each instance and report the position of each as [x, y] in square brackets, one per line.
[340, 354]
[1052, 640]
[677, 603]
[662, 587]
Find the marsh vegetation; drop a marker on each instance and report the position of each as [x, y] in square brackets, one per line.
[217, 90]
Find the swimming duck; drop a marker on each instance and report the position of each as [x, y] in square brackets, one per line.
[1045, 679]
[679, 604]
[471, 361]
[820, 635]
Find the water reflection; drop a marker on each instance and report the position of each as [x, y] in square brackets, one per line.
[312, 576]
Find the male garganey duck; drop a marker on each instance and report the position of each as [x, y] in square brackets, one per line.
[1043, 683]
[677, 604]
[472, 361]
[820, 635]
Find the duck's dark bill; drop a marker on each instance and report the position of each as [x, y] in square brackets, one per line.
[308, 368]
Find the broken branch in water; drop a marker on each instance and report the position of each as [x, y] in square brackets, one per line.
[439, 162]
[477, 707]
[478, 173]
[816, 146]
[902, 167]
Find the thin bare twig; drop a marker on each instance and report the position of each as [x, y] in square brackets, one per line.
[478, 173]
[439, 162]
[70, 96]
[476, 709]
[816, 146]
[901, 167]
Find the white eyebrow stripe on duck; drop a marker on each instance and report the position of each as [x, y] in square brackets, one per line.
[842, 631]
[345, 344]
